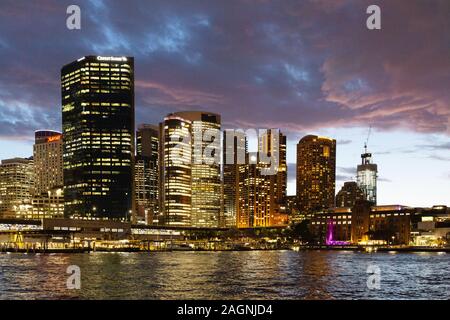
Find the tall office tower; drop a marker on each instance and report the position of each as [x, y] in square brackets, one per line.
[48, 198]
[190, 182]
[98, 128]
[261, 182]
[316, 172]
[16, 188]
[349, 194]
[146, 173]
[272, 143]
[367, 177]
[234, 154]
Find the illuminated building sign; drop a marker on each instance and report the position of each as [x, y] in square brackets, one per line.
[54, 138]
[120, 59]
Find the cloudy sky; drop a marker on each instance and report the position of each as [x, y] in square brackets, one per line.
[305, 67]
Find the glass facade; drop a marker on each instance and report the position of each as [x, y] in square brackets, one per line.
[98, 128]
[146, 173]
[206, 183]
[175, 171]
[260, 183]
[367, 177]
[190, 183]
[234, 153]
[272, 144]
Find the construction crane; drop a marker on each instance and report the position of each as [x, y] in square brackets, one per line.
[367, 140]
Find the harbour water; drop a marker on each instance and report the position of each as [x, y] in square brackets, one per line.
[227, 275]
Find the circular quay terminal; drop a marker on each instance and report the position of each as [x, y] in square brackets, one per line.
[224, 159]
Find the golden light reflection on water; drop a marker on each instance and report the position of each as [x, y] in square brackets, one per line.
[225, 275]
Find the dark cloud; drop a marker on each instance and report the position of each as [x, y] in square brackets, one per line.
[343, 178]
[437, 147]
[345, 174]
[439, 157]
[297, 65]
[347, 170]
[344, 141]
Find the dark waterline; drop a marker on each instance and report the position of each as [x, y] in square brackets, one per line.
[226, 275]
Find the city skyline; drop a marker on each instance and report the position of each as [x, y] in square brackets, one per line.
[409, 142]
[233, 158]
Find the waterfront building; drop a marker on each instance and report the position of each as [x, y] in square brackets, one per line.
[16, 188]
[431, 226]
[48, 198]
[367, 177]
[316, 173]
[98, 128]
[48, 205]
[349, 194]
[190, 169]
[332, 226]
[147, 173]
[387, 224]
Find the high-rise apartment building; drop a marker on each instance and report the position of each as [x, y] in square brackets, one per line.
[48, 198]
[16, 188]
[98, 129]
[255, 199]
[190, 169]
[316, 173]
[349, 194]
[48, 161]
[147, 173]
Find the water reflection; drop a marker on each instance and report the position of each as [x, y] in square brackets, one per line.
[226, 275]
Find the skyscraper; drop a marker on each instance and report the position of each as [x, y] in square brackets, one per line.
[273, 144]
[366, 174]
[262, 182]
[316, 172]
[48, 161]
[190, 169]
[48, 198]
[234, 155]
[98, 128]
[16, 188]
[349, 194]
[255, 199]
[147, 173]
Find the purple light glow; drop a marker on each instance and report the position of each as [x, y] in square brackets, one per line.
[330, 235]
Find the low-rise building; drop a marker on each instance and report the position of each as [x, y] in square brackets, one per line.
[389, 224]
[332, 226]
[431, 227]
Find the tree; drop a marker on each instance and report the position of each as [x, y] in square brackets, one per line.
[301, 231]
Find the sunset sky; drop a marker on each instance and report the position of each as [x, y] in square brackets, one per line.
[306, 67]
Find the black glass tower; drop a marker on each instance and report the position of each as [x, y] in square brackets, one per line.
[98, 128]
